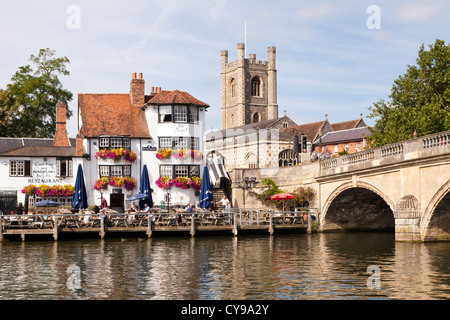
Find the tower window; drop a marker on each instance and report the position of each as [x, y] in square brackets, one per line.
[233, 88]
[256, 87]
[255, 117]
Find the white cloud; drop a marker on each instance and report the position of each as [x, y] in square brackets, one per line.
[421, 11]
[316, 12]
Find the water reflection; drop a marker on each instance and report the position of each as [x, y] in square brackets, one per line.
[319, 266]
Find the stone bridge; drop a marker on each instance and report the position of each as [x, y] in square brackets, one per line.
[403, 187]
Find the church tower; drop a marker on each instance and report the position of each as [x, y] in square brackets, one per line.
[248, 88]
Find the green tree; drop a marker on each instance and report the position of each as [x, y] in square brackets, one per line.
[27, 106]
[419, 99]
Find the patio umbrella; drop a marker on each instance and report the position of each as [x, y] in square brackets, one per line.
[47, 203]
[137, 196]
[79, 199]
[145, 189]
[206, 196]
[282, 196]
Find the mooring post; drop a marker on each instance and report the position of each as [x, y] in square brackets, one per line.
[308, 230]
[55, 228]
[1, 229]
[102, 227]
[192, 224]
[149, 222]
[270, 223]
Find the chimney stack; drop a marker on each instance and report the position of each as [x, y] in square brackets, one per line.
[61, 139]
[137, 91]
[79, 144]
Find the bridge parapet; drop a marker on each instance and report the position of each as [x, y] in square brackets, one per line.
[417, 148]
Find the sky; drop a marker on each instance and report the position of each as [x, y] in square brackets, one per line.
[334, 58]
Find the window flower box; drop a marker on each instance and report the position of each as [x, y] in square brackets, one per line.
[44, 190]
[164, 182]
[116, 155]
[164, 154]
[181, 154]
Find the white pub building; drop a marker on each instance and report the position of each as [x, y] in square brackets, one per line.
[123, 132]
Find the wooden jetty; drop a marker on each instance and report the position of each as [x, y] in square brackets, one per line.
[153, 224]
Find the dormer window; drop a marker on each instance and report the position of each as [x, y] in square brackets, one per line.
[178, 113]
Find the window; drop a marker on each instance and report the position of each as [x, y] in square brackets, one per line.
[193, 115]
[347, 147]
[165, 113]
[233, 88]
[104, 142]
[20, 168]
[335, 149]
[255, 117]
[64, 168]
[285, 124]
[180, 113]
[181, 171]
[358, 146]
[115, 143]
[174, 171]
[114, 171]
[104, 171]
[165, 143]
[256, 87]
[179, 143]
[166, 171]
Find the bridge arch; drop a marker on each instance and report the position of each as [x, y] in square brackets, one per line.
[436, 218]
[359, 206]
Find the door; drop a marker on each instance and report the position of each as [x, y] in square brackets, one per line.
[116, 202]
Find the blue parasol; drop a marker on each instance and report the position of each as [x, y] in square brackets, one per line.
[144, 188]
[47, 203]
[137, 196]
[79, 199]
[206, 196]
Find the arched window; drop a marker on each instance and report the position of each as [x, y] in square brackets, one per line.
[256, 117]
[256, 86]
[250, 160]
[233, 88]
[286, 158]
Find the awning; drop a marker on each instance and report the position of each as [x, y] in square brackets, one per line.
[216, 170]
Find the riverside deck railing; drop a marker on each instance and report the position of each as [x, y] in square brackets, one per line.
[233, 220]
[415, 148]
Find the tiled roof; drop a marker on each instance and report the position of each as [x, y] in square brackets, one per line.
[165, 97]
[111, 114]
[348, 124]
[345, 135]
[35, 147]
[311, 130]
[240, 130]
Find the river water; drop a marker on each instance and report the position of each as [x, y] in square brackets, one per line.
[292, 267]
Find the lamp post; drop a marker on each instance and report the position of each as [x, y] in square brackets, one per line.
[247, 183]
[168, 189]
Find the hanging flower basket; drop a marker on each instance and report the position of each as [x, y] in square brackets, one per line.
[196, 155]
[182, 182]
[181, 154]
[195, 183]
[164, 154]
[164, 182]
[116, 154]
[44, 190]
[101, 183]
